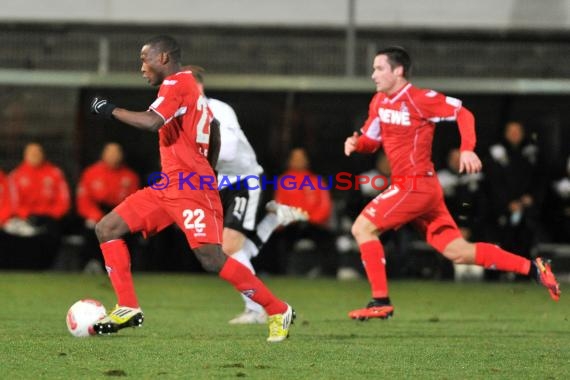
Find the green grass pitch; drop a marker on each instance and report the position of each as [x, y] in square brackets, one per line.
[440, 331]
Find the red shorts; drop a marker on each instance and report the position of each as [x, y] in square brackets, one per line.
[198, 213]
[420, 204]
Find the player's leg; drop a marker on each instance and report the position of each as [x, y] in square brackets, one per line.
[442, 233]
[277, 215]
[281, 315]
[372, 254]
[200, 217]
[241, 207]
[139, 212]
[393, 208]
[234, 245]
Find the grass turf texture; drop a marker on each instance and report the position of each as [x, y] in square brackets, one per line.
[440, 331]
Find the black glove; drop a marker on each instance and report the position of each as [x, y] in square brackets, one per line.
[102, 106]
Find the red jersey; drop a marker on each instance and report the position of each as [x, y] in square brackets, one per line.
[40, 190]
[5, 205]
[184, 137]
[316, 201]
[404, 124]
[103, 186]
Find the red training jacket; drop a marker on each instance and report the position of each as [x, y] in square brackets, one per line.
[101, 185]
[314, 199]
[40, 190]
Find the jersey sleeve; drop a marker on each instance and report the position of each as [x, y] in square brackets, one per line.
[371, 127]
[169, 98]
[437, 107]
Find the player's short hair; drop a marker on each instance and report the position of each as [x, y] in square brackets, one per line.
[166, 44]
[397, 56]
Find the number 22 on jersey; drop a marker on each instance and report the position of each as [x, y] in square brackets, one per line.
[203, 127]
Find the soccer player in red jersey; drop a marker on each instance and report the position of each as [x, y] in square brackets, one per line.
[189, 145]
[402, 119]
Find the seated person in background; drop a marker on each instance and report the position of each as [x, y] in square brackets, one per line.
[40, 198]
[513, 187]
[5, 205]
[315, 199]
[5, 211]
[102, 186]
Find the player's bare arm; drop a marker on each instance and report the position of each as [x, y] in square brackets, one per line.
[147, 120]
[350, 144]
[215, 143]
[469, 162]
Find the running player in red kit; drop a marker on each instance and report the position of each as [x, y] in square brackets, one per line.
[402, 119]
[189, 143]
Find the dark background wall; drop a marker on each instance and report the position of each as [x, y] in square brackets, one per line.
[276, 122]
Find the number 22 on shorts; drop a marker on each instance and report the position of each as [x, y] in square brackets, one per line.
[193, 219]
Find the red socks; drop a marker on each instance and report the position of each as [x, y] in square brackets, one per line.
[251, 286]
[491, 256]
[372, 254]
[118, 265]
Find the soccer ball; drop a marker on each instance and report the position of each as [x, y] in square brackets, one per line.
[82, 315]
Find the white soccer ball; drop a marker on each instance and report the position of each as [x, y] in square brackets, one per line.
[82, 315]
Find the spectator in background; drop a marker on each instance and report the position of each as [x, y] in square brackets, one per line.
[102, 186]
[513, 189]
[5, 205]
[313, 199]
[305, 190]
[40, 197]
[5, 211]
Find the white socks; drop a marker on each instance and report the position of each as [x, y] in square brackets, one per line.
[266, 227]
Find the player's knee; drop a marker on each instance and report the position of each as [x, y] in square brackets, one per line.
[211, 257]
[106, 230]
[460, 251]
[231, 246]
[102, 231]
[356, 230]
[363, 230]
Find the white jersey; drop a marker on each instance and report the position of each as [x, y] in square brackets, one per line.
[237, 157]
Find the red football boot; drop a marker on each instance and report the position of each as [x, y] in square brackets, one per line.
[373, 310]
[547, 278]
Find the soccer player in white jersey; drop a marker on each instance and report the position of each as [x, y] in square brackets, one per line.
[242, 200]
